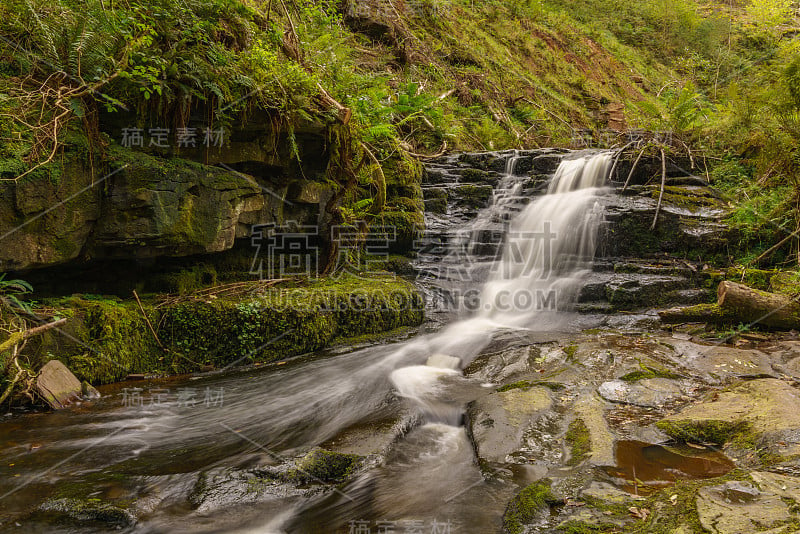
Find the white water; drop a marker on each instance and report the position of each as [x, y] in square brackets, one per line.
[549, 249]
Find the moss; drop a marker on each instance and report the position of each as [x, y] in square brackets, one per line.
[526, 505]
[321, 465]
[668, 515]
[89, 510]
[472, 196]
[408, 227]
[475, 176]
[526, 385]
[579, 441]
[113, 340]
[787, 283]
[648, 372]
[755, 278]
[184, 281]
[717, 432]
[570, 351]
[579, 527]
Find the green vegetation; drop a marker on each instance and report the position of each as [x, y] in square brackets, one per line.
[526, 505]
[647, 372]
[111, 338]
[579, 441]
[321, 465]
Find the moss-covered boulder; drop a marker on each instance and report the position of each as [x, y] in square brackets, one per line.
[528, 504]
[760, 415]
[89, 510]
[321, 465]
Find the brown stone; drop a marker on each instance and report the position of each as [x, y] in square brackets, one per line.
[57, 385]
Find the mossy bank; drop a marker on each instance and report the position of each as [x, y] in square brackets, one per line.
[107, 339]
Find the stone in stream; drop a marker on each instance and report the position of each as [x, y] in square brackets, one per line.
[91, 510]
[497, 422]
[648, 393]
[760, 414]
[57, 385]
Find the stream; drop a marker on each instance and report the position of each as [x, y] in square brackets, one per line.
[401, 402]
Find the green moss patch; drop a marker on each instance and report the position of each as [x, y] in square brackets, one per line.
[321, 465]
[526, 505]
[579, 441]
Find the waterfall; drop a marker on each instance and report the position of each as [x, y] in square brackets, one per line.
[550, 245]
[548, 250]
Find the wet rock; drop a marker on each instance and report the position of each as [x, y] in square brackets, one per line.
[89, 391]
[739, 508]
[762, 413]
[590, 410]
[322, 466]
[222, 488]
[57, 385]
[718, 364]
[89, 511]
[784, 486]
[605, 493]
[650, 392]
[497, 422]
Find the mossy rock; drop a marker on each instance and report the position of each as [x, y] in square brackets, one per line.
[89, 510]
[527, 505]
[408, 226]
[321, 465]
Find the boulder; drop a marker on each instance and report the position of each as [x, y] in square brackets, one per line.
[57, 385]
[740, 508]
[498, 421]
[648, 393]
[762, 413]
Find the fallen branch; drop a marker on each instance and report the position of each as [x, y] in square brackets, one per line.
[405, 146]
[616, 160]
[18, 337]
[753, 306]
[147, 320]
[775, 247]
[633, 169]
[663, 184]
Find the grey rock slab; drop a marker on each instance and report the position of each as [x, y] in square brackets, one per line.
[739, 508]
[651, 392]
[497, 422]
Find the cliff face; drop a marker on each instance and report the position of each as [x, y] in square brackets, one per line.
[179, 202]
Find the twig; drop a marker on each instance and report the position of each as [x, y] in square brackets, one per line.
[147, 320]
[775, 247]
[633, 169]
[663, 184]
[616, 160]
[19, 337]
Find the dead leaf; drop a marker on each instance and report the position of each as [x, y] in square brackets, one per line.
[639, 513]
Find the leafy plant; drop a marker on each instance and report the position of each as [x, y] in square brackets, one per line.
[11, 290]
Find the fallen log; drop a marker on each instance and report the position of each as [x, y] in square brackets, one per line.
[753, 306]
[700, 313]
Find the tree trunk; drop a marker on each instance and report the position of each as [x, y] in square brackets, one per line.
[752, 306]
[701, 313]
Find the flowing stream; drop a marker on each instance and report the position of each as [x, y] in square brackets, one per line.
[152, 453]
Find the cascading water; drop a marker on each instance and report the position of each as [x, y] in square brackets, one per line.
[271, 417]
[548, 250]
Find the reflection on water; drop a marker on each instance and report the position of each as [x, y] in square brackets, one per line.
[643, 468]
